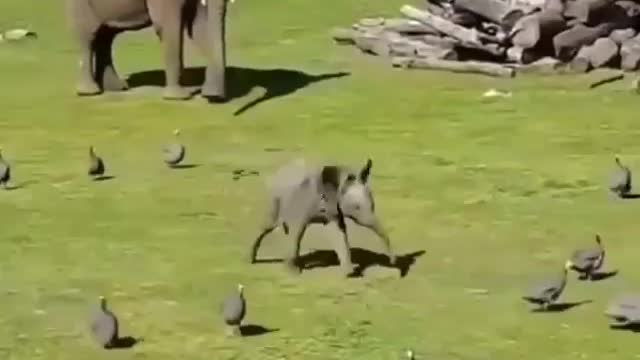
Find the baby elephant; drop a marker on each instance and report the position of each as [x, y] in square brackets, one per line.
[301, 195]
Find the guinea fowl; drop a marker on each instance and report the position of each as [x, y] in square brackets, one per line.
[174, 152]
[234, 308]
[625, 310]
[5, 171]
[103, 325]
[621, 180]
[587, 261]
[96, 165]
[549, 290]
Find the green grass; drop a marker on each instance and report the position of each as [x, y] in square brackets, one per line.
[497, 193]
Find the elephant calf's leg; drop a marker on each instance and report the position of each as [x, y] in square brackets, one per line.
[271, 222]
[105, 71]
[291, 261]
[343, 250]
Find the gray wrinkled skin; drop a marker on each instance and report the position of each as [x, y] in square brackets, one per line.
[625, 310]
[301, 195]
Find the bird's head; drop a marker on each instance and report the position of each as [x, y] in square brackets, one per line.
[103, 302]
[92, 150]
[176, 132]
[598, 239]
[568, 265]
[240, 288]
[409, 354]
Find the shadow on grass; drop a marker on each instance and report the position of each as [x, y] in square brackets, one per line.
[126, 342]
[104, 178]
[562, 307]
[18, 186]
[362, 258]
[276, 82]
[255, 330]
[625, 327]
[599, 276]
[184, 166]
[630, 196]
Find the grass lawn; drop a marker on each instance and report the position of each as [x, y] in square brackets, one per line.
[497, 194]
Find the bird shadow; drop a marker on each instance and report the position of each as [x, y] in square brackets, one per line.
[276, 82]
[625, 327]
[599, 276]
[18, 186]
[630, 196]
[562, 307]
[362, 258]
[104, 178]
[184, 166]
[255, 330]
[126, 342]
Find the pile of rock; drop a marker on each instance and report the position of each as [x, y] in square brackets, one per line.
[497, 37]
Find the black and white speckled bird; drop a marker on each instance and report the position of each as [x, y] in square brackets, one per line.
[549, 290]
[103, 325]
[96, 165]
[174, 153]
[587, 261]
[620, 183]
[5, 171]
[234, 308]
[624, 310]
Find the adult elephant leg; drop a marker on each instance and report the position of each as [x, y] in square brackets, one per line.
[84, 26]
[167, 19]
[106, 74]
[209, 35]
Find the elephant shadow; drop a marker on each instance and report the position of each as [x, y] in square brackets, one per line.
[240, 81]
[361, 258]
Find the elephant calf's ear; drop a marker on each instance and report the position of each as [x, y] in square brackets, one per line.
[366, 170]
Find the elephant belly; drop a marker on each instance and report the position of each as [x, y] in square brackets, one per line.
[122, 14]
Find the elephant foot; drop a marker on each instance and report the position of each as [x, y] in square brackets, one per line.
[114, 83]
[213, 94]
[176, 93]
[291, 267]
[87, 88]
[348, 270]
